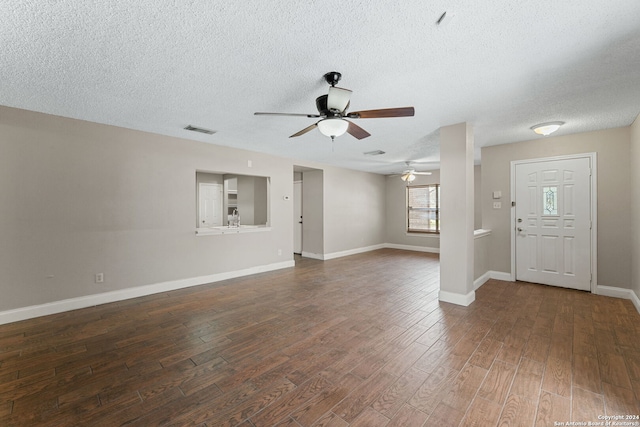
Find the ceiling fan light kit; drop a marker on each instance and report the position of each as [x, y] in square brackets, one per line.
[409, 174]
[333, 127]
[546, 129]
[408, 177]
[332, 110]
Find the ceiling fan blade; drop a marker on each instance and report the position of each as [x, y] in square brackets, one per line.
[421, 173]
[305, 130]
[356, 131]
[385, 112]
[338, 98]
[288, 114]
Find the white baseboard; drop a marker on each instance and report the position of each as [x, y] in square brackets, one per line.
[123, 294]
[312, 255]
[499, 275]
[612, 291]
[340, 254]
[353, 251]
[635, 300]
[481, 280]
[457, 299]
[412, 248]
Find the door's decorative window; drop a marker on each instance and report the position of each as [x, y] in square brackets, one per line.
[550, 200]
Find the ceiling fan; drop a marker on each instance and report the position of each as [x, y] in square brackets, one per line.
[409, 174]
[332, 110]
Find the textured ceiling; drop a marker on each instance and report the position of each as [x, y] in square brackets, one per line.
[159, 65]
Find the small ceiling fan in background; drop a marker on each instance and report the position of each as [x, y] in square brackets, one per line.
[409, 174]
[332, 110]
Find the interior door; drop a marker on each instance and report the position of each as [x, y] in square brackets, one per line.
[210, 205]
[553, 222]
[297, 217]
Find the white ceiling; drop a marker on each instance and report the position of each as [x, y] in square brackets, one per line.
[159, 65]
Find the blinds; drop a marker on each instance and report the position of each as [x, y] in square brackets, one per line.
[423, 208]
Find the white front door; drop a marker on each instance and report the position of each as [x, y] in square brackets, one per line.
[297, 217]
[553, 222]
[210, 205]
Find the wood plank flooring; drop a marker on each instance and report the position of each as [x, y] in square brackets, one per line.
[356, 341]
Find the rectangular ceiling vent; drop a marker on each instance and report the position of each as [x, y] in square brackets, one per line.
[201, 130]
[374, 153]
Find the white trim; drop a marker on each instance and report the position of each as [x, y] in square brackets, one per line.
[612, 291]
[353, 251]
[497, 275]
[422, 234]
[312, 255]
[501, 275]
[593, 183]
[481, 280]
[457, 299]
[635, 300]
[412, 248]
[124, 294]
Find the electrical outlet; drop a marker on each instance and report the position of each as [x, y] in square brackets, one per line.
[99, 278]
[497, 205]
[279, 252]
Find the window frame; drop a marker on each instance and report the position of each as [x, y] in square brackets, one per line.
[437, 209]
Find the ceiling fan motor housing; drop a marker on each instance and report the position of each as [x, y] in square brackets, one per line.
[323, 109]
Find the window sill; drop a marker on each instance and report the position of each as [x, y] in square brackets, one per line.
[419, 234]
[208, 231]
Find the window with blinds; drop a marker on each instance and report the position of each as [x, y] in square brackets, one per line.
[423, 208]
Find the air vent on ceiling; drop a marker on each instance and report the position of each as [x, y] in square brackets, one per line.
[374, 153]
[201, 130]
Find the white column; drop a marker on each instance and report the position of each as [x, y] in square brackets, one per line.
[456, 207]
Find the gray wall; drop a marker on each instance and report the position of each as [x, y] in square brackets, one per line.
[396, 230]
[635, 206]
[354, 209]
[342, 209]
[613, 211]
[79, 198]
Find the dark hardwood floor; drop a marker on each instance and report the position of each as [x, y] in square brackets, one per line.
[356, 341]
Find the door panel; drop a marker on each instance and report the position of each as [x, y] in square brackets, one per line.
[553, 222]
[210, 209]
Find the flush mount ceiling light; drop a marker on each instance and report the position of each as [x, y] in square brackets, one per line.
[546, 129]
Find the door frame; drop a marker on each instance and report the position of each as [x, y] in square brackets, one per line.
[295, 220]
[593, 192]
